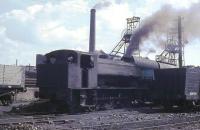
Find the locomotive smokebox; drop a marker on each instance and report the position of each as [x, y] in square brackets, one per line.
[92, 31]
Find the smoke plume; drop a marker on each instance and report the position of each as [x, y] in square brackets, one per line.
[105, 3]
[159, 22]
[150, 51]
[102, 4]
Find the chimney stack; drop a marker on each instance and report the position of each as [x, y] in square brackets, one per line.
[92, 31]
[180, 57]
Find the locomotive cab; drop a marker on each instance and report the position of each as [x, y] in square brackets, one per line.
[64, 70]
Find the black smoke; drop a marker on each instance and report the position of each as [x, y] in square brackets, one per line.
[159, 22]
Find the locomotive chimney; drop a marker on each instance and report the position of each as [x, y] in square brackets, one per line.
[92, 31]
[180, 60]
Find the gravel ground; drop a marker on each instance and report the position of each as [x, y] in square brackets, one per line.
[108, 117]
[188, 127]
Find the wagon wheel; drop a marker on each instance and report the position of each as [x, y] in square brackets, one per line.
[92, 108]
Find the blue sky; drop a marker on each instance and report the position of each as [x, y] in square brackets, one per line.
[30, 27]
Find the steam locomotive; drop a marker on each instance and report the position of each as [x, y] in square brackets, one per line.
[95, 80]
[85, 79]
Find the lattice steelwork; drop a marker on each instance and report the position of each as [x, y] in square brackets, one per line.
[132, 25]
[172, 48]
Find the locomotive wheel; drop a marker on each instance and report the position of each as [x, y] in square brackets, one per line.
[7, 100]
[4, 102]
[110, 105]
[188, 106]
[168, 106]
[73, 108]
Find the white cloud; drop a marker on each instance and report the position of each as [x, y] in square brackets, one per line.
[75, 5]
[192, 53]
[41, 27]
[53, 33]
[12, 50]
[115, 15]
[19, 15]
[35, 9]
[181, 3]
[66, 7]
[28, 28]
